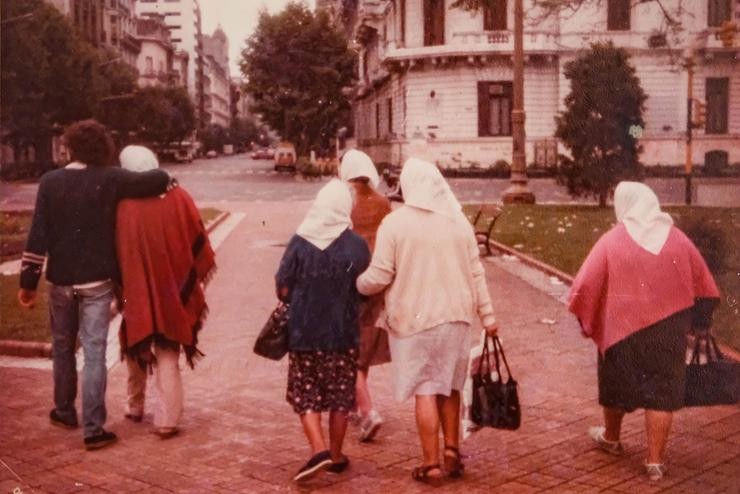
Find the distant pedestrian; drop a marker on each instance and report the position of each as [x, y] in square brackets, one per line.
[74, 223]
[426, 258]
[165, 259]
[317, 277]
[368, 211]
[643, 286]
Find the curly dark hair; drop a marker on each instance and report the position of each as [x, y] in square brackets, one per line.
[90, 143]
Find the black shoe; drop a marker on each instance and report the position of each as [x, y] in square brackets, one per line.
[339, 466]
[134, 418]
[317, 463]
[101, 440]
[56, 420]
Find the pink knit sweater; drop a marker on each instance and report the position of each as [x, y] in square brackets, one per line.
[622, 288]
[431, 266]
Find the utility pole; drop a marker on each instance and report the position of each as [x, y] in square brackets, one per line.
[518, 192]
[688, 167]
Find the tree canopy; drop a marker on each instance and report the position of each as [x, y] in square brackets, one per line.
[601, 123]
[49, 76]
[296, 65]
[165, 114]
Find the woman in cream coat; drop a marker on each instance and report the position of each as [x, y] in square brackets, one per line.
[427, 258]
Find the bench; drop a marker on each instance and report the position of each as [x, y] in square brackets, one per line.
[483, 224]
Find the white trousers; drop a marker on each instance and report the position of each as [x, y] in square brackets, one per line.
[168, 408]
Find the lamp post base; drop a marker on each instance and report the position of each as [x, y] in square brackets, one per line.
[518, 194]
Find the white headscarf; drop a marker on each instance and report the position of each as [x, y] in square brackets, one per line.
[138, 159]
[637, 206]
[424, 187]
[358, 164]
[328, 216]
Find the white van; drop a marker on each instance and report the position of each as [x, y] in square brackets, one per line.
[285, 157]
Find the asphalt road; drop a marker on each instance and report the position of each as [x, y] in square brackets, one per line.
[240, 179]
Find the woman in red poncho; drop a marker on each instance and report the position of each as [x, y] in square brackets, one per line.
[165, 259]
[643, 286]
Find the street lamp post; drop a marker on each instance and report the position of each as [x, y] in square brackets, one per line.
[518, 192]
[689, 123]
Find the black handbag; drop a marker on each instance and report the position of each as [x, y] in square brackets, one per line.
[715, 382]
[495, 403]
[272, 341]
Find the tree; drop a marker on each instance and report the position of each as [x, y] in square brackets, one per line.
[602, 122]
[49, 76]
[244, 131]
[214, 137]
[163, 115]
[296, 64]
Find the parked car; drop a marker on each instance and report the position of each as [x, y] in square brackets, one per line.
[262, 154]
[285, 157]
[211, 154]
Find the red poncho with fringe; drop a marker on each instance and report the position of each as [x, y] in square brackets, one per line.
[165, 259]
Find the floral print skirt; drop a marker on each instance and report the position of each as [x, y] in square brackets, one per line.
[322, 381]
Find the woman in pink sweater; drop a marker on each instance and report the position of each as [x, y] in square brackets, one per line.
[643, 286]
[427, 258]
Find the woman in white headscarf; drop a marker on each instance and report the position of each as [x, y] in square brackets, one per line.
[426, 259]
[641, 288]
[368, 211]
[317, 277]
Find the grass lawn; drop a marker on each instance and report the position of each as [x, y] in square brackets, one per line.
[17, 323]
[14, 227]
[563, 235]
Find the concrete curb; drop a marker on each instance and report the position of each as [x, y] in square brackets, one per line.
[38, 349]
[568, 279]
[532, 262]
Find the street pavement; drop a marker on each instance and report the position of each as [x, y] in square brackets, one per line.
[238, 178]
[239, 434]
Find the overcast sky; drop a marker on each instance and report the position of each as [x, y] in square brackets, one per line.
[238, 19]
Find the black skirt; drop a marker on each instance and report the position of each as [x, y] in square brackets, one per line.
[648, 368]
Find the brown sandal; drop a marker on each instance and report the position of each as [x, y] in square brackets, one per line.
[453, 463]
[421, 474]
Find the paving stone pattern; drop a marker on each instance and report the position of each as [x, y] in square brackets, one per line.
[239, 434]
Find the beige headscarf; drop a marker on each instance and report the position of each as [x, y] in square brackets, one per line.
[358, 164]
[328, 216]
[424, 187]
[138, 159]
[637, 206]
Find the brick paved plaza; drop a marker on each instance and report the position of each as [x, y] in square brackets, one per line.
[239, 435]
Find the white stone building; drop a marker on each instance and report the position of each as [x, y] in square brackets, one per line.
[183, 19]
[155, 61]
[447, 74]
[217, 81]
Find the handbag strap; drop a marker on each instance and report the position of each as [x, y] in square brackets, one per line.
[710, 347]
[497, 346]
[485, 356]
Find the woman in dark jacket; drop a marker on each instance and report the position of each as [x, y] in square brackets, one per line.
[317, 277]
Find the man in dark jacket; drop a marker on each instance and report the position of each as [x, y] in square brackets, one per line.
[74, 224]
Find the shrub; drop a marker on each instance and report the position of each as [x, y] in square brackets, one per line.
[711, 241]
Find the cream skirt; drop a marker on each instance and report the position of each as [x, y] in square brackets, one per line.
[432, 362]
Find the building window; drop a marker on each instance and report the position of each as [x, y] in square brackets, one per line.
[494, 17]
[377, 120]
[389, 109]
[148, 66]
[175, 40]
[494, 108]
[718, 11]
[434, 22]
[618, 15]
[718, 102]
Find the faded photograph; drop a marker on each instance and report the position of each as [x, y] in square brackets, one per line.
[369, 246]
